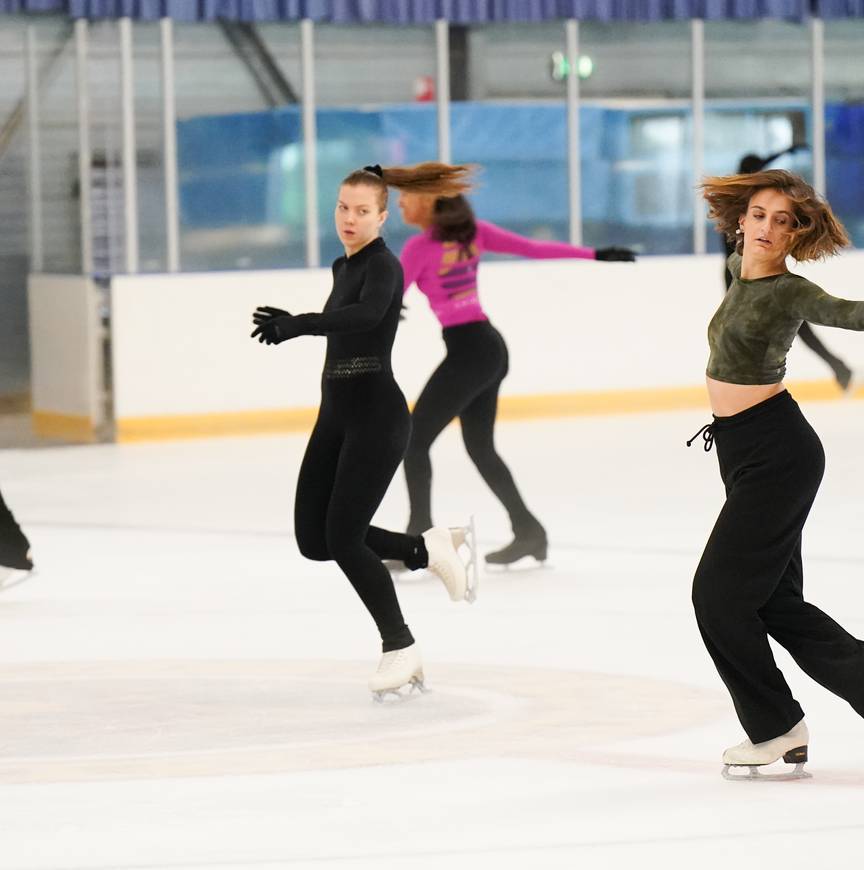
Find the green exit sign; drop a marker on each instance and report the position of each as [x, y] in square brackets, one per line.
[560, 66]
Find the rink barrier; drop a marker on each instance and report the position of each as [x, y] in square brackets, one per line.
[214, 425]
[66, 362]
[584, 337]
[69, 427]
[510, 408]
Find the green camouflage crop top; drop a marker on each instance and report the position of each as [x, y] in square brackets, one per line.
[752, 330]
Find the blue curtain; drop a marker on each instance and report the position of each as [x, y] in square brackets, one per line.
[840, 8]
[427, 11]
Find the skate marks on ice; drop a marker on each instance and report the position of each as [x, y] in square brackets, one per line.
[109, 720]
[526, 566]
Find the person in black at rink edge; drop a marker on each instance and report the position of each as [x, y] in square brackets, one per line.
[14, 546]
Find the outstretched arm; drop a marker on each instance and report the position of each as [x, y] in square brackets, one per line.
[811, 303]
[501, 241]
[772, 157]
[383, 280]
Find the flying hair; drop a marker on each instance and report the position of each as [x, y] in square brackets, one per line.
[436, 179]
[817, 233]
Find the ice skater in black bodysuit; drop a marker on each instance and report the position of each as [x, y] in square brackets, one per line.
[14, 546]
[363, 425]
[842, 373]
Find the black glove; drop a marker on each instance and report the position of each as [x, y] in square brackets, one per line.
[617, 254]
[265, 312]
[274, 325]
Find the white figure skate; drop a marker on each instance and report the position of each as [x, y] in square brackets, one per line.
[458, 534]
[791, 747]
[443, 545]
[397, 669]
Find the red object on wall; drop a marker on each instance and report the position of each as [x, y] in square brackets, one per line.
[424, 89]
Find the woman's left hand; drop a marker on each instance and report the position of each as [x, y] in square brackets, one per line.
[274, 325]
[616, 254]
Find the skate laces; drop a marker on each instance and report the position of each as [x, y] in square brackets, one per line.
[707, 433]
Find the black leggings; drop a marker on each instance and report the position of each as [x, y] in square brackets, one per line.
[811, 340]
[356, 446]
[466, 386]
[749, 583]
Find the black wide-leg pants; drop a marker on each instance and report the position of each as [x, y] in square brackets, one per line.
[749, 583]
[358, 441]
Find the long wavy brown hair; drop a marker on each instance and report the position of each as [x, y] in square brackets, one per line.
[817, 232]
[437, 179]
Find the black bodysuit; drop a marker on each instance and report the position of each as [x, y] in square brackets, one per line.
[359, 438]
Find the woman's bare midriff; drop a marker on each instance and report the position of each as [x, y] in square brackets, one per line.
[728, 399]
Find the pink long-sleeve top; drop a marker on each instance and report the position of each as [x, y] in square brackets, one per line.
[446, 272]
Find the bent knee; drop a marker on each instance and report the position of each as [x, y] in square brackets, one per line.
[313, 548]
[344, 547]
[707, 595]
[717, 608]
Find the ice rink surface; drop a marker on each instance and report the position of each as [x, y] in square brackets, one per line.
[180, 689]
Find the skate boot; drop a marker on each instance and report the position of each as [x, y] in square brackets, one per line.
[399, 668]
[443, 546]
[14, 546]
[527, 542]
[458, 534]
[791, 747]
[15, 556]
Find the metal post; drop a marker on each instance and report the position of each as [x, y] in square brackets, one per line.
[130, 167]
[817, 107]
[310, 142]
[697, 50]
[85, 187]
[37, 258]
[169, 145]
[442, 87]
[574, 154]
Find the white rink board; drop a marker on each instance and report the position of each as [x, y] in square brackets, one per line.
[65, 369]
[181, 342]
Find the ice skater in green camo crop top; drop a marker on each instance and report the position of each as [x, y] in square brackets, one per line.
[749, 582]
[752, 330]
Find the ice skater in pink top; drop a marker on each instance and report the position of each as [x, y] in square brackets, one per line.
[442, 261]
